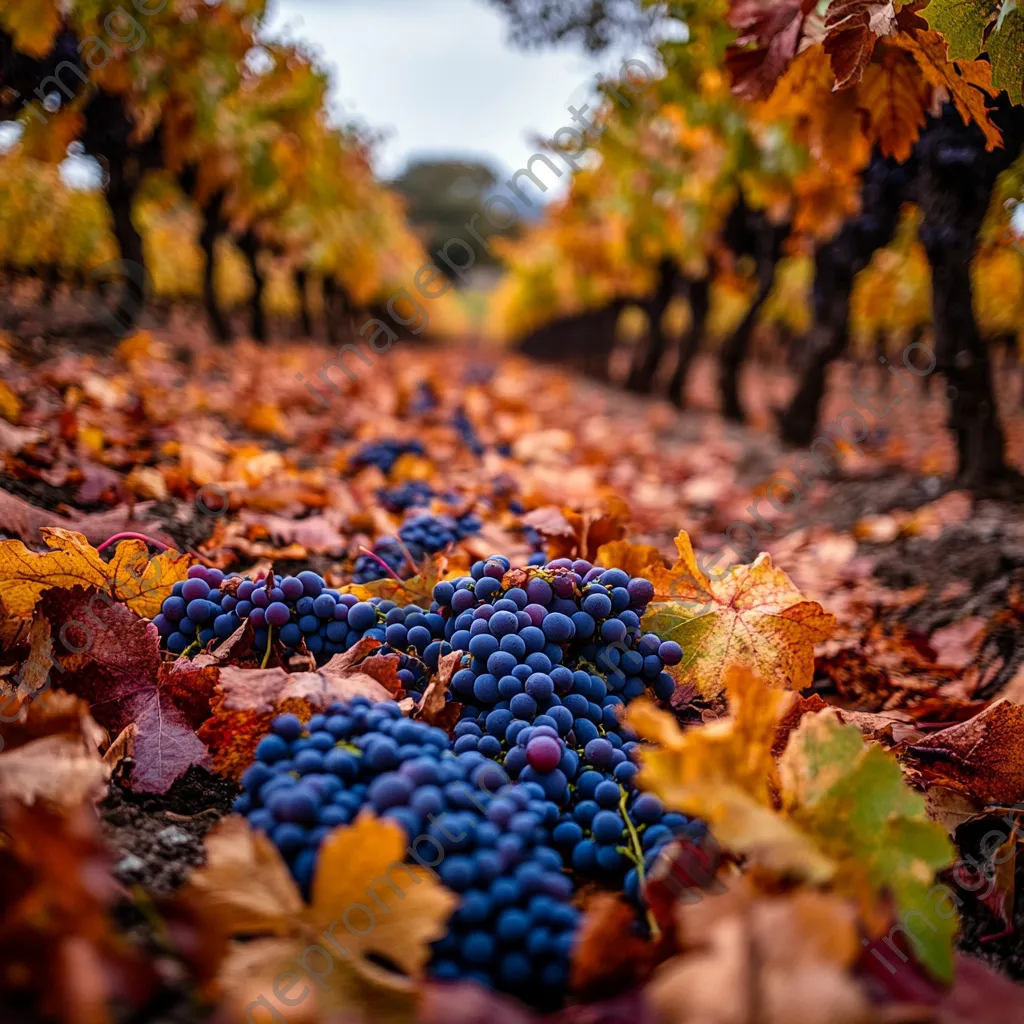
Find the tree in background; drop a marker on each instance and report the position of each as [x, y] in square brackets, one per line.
[596, 24]
[442, 196]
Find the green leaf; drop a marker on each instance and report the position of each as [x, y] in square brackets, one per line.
[962, 23]
[1006, 52]
[853, 799]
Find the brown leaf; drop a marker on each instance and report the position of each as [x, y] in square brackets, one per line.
[896, 100]
[768, 34]
[790, 719]
[51, 752]
[316, 533]
[434, 707]
[245, 700]
[765, 960]
[246, 891]
[571, 534]
[244, 885]
[608, 955]
[55, 919]
[852, 27]
[982, 757]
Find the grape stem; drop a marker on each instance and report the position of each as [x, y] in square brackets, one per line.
[194, 646]
[270, 640]
[384, 565]
[636, 854]
[133, 536]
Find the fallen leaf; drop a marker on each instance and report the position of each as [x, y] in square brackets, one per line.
[56, 919]
[130, 576]
[51, 752]
[835, 810]
[724, 773]
[982, 758]
[119, 670]
[635, 559]
[853, 799]
[245, 700]
[349, 929]
[957, 644]
[769, 960]
[571, 534]
[753, 616]
[608, 955]
[25, 574]
[434, 707]
[949, 808]
[316, 533]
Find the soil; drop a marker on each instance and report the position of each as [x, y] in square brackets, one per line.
[160, 838]
[979, 926]
[157, 841]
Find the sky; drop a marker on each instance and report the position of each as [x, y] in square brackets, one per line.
[440, 76]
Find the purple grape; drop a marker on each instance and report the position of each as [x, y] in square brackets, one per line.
[195, 589]
[670, 652]
[277, 614]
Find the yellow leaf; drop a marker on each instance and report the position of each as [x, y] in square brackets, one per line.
[754, 616]
[10, 404]
[366, 902]
[835, 810]
[724, 773]
[266, 418]
[636, 559]
[25, 574]
[33, 25]
[73, 562]
[362, 880]
[967, 89]
[142, 584]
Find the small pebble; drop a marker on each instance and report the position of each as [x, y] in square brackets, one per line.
[172, 837]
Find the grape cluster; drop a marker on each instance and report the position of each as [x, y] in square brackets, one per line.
[566, 634]
[200, 609]
[467, 433]
[553, 655]
[420, 535]
[514, 926]
[303, 610]
[385, 453]
[424, 399]
[411, 494]
[550, 655]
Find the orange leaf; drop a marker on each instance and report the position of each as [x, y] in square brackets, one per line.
[896, 101]
[245, 700]
[754, 616]
[967, 89]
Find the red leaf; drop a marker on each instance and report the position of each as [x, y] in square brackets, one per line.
[245, 700]
[117, 668]
[769, 33]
